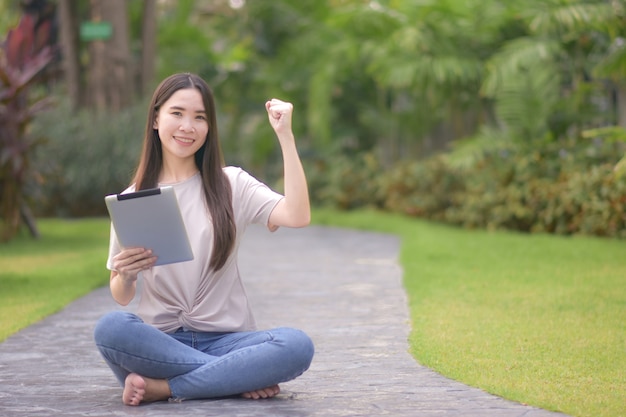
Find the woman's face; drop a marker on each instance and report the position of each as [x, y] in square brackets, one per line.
[182, 124]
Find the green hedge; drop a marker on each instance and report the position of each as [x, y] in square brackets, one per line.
[566, 187]
[85, 157]
[562, 187]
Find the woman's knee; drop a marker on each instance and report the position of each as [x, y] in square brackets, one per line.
[113, 325]
[299, 347]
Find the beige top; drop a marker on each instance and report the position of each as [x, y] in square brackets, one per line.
[189, 294]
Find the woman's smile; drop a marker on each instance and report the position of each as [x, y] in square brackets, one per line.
[184, 141]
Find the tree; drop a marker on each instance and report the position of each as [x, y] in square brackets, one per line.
[109, 73]
[115, 72]
[67, 16]
[148, 43]
[26, 53]
[612, 64]
[543, 82]
[399, 77]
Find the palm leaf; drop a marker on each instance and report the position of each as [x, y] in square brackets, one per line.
[562, 19]
[518, 55]
[525, 83]
[525, 103]
[613, 64]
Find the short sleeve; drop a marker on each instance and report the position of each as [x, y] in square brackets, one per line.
[253, 201]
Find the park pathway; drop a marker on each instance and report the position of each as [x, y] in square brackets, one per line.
[342, 287]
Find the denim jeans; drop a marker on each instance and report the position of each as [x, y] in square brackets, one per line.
[199, 364]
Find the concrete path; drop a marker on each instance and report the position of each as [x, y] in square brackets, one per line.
[342, 287]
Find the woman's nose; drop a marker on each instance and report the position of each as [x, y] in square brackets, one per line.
[186, 125]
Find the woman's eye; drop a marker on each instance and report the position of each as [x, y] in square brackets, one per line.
[199, 117]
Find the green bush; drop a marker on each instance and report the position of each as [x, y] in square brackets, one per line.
[566, 187]
[423, 189]
[591, 202]
[561, 187]
[84, 158]
[345, 182]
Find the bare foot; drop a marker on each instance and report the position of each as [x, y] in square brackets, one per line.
[138, 389]
[134, 390]
[268, 392]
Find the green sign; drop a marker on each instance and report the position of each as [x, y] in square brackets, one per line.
[95, 31]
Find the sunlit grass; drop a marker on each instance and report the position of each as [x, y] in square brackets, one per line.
[534, 318]
[39, 277]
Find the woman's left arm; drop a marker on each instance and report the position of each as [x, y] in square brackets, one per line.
[294, 210]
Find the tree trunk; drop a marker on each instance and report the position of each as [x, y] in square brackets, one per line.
[70, 47]
[97, 80]
[119, 59]
[620, 91]
[29, 219]
[110, 74]
[148, 43]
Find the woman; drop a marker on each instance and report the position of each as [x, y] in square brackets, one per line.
[194, 335]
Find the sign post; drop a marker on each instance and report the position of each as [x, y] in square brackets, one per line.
[95, 31]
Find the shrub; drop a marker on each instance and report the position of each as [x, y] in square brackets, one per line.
[424, 189]
[345, 182]
[86, 157]
[566, 187]
[562, 187]
[590, 202]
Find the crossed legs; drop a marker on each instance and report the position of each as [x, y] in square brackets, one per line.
[152, 365]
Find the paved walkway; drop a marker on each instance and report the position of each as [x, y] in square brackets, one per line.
[342, 287]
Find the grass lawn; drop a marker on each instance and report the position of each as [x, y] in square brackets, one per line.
[534, 318]
[39, 277]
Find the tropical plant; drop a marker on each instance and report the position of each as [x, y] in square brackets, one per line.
[542, 82]
[396, 77]
[23, 56]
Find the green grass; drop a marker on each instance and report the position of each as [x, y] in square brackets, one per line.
[536, 319]
[40, 277]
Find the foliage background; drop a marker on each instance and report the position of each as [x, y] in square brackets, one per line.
[495, 114]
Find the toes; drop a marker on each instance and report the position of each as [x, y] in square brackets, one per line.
[268, 392]
[134, 390]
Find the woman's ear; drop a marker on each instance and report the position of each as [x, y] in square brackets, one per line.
[155, 124]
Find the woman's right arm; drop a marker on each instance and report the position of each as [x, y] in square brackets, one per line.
[126, 265]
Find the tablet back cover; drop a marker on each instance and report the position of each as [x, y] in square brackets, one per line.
[151, 219]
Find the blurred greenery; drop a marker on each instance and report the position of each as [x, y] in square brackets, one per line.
[9, 15]
[474, 112]
[86, 157]
[38, 278]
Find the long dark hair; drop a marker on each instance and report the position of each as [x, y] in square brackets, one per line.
[209, 160]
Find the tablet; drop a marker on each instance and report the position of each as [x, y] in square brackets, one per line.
[151, 219]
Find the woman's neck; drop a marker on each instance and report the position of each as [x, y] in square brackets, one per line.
[173, 173]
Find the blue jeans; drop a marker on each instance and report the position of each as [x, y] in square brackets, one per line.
[198, 364]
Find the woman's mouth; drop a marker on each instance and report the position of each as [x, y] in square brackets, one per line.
[183, 141]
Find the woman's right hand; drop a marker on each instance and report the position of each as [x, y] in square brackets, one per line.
[126, 265]
[129, 262]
